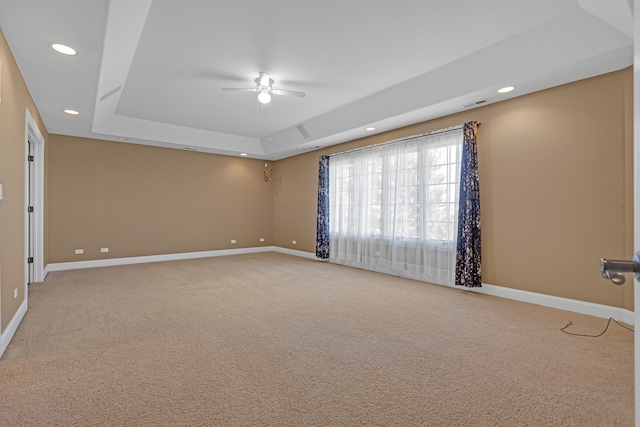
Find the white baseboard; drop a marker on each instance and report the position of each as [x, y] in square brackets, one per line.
[10, 331]
[576, 306]
[77, 265]
[301, 254]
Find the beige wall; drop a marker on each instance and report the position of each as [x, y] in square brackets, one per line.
[14, 99]
[555, 182]
[139, 200]
[556, 189]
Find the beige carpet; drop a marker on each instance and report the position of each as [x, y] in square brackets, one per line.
[270, 339]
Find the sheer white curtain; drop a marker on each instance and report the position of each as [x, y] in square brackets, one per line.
[394, 207]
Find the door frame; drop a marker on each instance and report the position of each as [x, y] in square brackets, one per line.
[635, 5]
[32, 133]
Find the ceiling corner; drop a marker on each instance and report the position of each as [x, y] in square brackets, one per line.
[617, 13]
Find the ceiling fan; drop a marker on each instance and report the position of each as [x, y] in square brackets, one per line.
[264, 87]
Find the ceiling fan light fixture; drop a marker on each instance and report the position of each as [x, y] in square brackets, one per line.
[264, 87]
[264, 97]
[264, 79]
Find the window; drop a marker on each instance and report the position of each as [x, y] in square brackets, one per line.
[389, 200]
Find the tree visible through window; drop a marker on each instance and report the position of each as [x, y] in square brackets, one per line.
[398, 195]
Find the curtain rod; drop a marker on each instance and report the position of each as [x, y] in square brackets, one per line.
[409, 138]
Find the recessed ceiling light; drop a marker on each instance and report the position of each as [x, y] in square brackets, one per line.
[64, 49]
[369, 129]
[71, 112]
[243, 154]
[506, 89]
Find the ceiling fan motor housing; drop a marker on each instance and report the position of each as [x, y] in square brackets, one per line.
[264, 81]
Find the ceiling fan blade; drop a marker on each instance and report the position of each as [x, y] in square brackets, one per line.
[288, 93]
[239, 89]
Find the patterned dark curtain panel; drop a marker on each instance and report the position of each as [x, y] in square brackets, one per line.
[322, 227]
[468, 269]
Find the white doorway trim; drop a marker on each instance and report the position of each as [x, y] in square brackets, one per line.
[33, 134]
[635, 6]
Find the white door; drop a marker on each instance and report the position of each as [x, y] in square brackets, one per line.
[34, 196]
[636, 196]
[30, 213]
[616, 270]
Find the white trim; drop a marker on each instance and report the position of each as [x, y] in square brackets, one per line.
[11, 329]
[576, 306]
[635, 6]
[45, 273]
[77, 265]
[301, 254]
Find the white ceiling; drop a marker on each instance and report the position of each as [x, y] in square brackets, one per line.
[151, 71]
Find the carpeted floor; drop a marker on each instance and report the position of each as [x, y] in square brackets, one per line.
[270, 339]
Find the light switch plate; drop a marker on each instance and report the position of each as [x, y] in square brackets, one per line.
[1, 192]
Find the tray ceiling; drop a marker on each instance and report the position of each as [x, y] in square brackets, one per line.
[151, 71]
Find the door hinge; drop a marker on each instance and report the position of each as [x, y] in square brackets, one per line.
[30, 260]
[30, 158]
[30, 209]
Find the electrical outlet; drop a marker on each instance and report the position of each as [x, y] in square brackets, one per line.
[233, 242]
[294, 242]
[15, 293]
[79, 251]
[262, 239]
[104, 250]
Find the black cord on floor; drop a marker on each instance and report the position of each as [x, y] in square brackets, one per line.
[594, 336]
